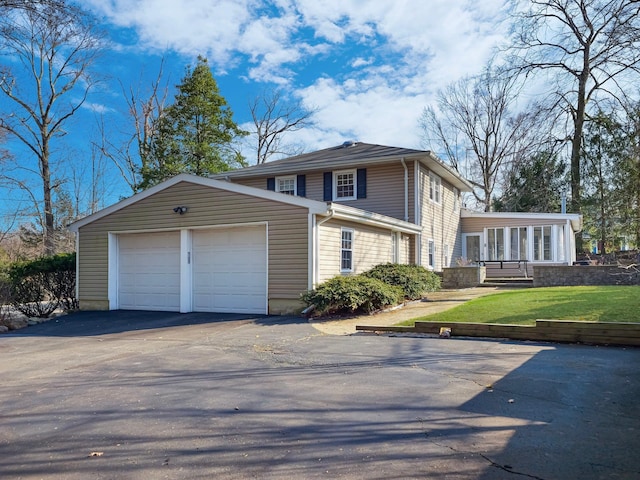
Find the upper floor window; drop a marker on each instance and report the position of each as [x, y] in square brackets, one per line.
[286, 185]
[456, 199]
[435, 188]
[344, 185]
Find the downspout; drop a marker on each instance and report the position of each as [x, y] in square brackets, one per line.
[316, 260]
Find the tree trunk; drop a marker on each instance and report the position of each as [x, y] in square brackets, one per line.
[49, 233]
[576, 144]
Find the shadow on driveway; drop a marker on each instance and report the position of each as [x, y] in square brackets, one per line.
[92, 323]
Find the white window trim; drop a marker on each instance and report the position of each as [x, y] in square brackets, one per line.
[342, 249]
[287, 177]
[433, 178]
[335, 185]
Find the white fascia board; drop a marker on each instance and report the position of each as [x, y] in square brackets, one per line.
[313, 205]
[342, 212]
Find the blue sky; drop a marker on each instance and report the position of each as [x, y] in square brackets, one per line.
[369, 67]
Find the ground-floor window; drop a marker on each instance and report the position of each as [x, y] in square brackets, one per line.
[542, 243]
[518, 243]
[432, 254]
[495, 243]
[346, 250]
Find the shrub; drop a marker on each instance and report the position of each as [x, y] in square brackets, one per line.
[352, 294]
[39, 287]
[413, 279]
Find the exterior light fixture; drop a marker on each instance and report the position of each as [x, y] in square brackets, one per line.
[181, 210]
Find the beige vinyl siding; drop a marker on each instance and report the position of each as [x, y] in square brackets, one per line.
[440, 222]
[385, 189]
[371, 246]
[208, 207]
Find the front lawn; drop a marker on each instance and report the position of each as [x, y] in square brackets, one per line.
[525, 306]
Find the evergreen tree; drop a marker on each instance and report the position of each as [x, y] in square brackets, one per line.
[195, 134]
[534, 185]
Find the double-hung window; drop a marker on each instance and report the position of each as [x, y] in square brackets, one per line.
[344, 185]
[286, 185]
[435, 188]
[456, 199]
[346, 250]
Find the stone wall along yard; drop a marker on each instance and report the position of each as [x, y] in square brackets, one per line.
[560, 276]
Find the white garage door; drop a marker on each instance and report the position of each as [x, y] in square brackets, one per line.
[230, 270]
[149, 271]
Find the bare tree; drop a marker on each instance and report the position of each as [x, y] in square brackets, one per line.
[475, 124]
[144, 108]
[588, 47]
[55, 49]
[273, 117]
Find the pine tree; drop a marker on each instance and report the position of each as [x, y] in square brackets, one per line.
[195, 134]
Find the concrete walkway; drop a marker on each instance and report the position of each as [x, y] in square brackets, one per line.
[435, 302]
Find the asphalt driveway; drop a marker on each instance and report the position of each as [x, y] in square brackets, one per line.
[148, 395]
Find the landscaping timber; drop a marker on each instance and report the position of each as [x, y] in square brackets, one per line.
[596, 333]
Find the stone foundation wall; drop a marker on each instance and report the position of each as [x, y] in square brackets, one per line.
[556, 276]
[463, 277]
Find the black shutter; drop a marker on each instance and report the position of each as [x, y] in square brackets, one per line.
[302, 185]
[271, 184]
[362, 183]
[328, 186]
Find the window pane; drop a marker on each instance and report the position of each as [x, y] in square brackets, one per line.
[344, 185]
[495, 237]
[547, 243]
[346, 260]
[287, 185]
[519, 243]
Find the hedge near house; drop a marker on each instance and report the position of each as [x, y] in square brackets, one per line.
[383, 286]
[39, 287]
[352, 294]
[414, 280]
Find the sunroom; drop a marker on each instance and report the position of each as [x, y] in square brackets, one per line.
[511, 244]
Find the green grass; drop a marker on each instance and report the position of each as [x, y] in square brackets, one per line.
[523, 307]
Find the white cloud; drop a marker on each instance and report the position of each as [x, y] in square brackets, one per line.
[400, 51]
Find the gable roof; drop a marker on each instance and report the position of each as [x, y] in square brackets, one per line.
[347, 155]
[313, 205]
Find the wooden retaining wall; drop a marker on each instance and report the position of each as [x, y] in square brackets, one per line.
[544, 330]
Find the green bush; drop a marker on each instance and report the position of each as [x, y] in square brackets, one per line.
[413, 279]
[351, 294]
[39, 287]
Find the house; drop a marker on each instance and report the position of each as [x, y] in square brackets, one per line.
[251, 240]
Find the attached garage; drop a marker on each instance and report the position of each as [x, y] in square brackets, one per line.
[228, 248]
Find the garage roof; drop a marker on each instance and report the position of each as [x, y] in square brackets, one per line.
[314, 206]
